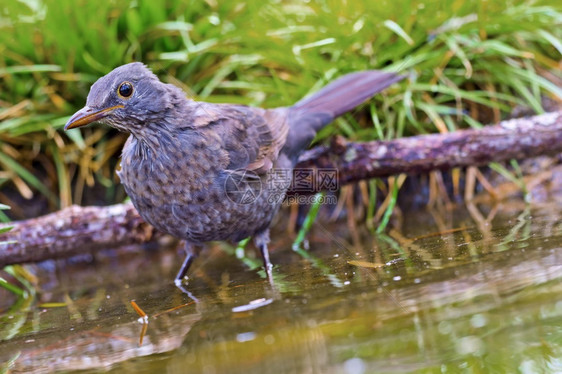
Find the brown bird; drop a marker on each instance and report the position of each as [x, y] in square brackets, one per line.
[204, 172]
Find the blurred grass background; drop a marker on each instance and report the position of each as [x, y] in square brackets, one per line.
[469, 63]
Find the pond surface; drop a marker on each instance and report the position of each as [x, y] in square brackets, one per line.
[474, 289]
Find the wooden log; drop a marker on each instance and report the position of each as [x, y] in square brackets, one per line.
[74, 230]
[520, 138]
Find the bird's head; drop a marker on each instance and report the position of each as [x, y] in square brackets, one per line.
[129, 98]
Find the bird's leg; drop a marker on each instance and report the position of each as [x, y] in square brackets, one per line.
[261, 240]
[191, 254]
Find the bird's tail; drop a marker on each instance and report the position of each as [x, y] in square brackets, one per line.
[312, 113]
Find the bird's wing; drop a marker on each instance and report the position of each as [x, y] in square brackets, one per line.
[251, 137]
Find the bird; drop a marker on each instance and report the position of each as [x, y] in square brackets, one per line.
[207, 172]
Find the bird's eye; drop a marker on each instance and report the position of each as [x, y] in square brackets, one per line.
[125, 89]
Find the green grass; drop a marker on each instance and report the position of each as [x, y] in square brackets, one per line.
[468, 63]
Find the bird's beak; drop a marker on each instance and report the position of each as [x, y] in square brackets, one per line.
[88, 115]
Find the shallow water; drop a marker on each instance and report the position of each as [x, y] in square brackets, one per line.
[474, 289]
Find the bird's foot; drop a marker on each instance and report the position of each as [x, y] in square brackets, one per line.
[179, 282]
[269, 272]
[261, 240]
[182, 287]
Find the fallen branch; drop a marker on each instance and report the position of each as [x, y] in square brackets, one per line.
[74, 230]
[85, 229]
[520, 138]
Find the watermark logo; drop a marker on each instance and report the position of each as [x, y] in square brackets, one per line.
[244, 186]
[303, 180]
